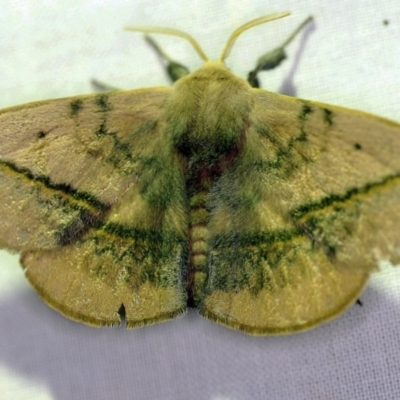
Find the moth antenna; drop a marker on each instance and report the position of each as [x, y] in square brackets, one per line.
[170, 31]
[258, 21]
[293, 35]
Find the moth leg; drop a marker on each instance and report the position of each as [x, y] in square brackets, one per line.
[174, 69]
[273, 58]
[102, 87]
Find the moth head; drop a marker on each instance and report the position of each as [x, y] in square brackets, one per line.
[229, 44]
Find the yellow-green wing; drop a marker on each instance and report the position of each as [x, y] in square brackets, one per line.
[93, 196]
[300, 218]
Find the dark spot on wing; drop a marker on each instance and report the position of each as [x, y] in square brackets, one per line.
[76, 106]
[306, 109]
[102, 102]
[328, 116]
[122, 314]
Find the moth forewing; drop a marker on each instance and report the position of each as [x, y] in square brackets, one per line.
[263, 211]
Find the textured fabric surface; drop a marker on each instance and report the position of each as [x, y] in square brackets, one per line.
[350, 58]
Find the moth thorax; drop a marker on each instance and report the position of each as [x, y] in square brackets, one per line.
[212, 116]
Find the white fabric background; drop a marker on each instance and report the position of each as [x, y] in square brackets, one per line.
[350, 58]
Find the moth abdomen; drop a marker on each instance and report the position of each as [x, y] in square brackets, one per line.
[198, 249]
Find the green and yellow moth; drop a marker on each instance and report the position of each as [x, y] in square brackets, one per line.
[267, 213]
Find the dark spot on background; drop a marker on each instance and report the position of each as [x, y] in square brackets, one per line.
[41, 134]
[385, 22]
[357, 146]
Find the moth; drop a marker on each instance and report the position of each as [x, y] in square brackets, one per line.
[267, 213]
